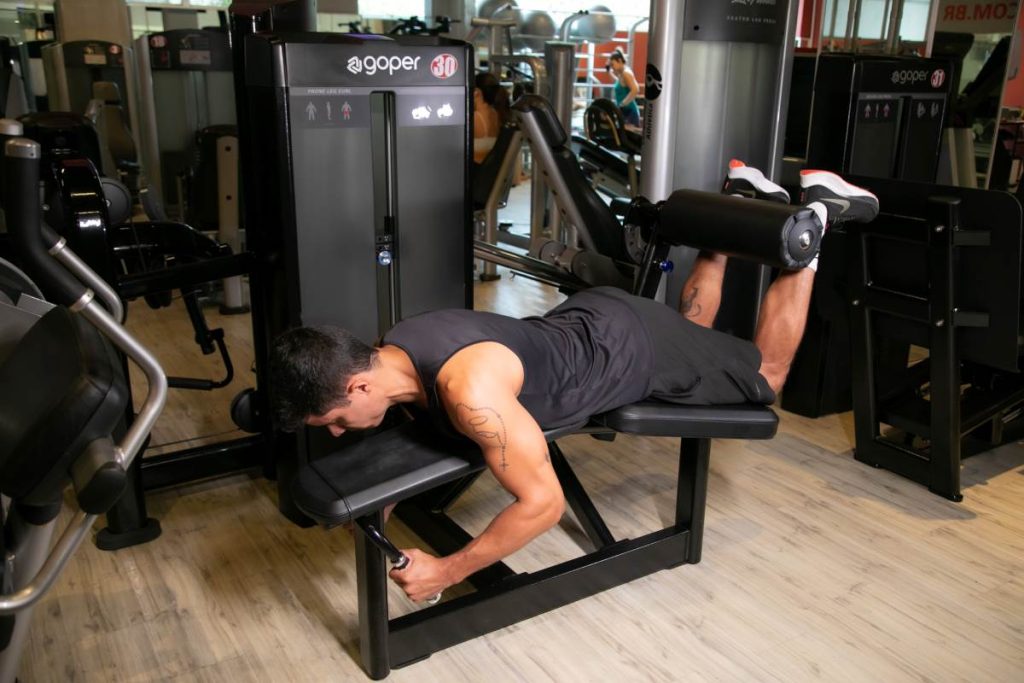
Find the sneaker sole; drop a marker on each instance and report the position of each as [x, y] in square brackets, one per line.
[835, 183]
[755, 178]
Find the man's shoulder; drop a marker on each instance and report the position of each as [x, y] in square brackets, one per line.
[485, 365]
[482, 358]
[430, 323]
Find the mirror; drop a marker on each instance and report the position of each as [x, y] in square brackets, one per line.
[979, 37]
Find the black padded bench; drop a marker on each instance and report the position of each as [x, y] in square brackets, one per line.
[413, 466]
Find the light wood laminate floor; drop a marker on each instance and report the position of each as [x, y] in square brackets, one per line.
[815, 567]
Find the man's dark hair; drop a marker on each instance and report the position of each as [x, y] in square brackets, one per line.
[309, 370]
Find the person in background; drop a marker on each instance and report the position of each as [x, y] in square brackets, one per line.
[490, 113]
[626, 89]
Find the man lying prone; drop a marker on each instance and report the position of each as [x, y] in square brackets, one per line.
[500, 381]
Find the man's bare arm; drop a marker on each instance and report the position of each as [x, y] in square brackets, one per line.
[481, 402]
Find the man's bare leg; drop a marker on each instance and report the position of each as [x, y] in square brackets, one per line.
[783, 318]
[781, 324]
[702, 294]
[784, 309]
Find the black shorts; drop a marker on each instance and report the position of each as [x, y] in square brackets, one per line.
[695, 365]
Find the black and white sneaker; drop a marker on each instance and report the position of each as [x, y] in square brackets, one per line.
[747, 181]
[835, 200]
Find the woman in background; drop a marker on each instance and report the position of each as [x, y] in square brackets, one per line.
[626, 89]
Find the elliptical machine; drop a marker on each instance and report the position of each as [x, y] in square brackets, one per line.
[60, 431]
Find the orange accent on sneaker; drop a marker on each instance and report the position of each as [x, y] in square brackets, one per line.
[736, 163]
[809, 171]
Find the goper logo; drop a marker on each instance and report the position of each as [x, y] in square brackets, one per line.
[938, 78]
[909, 76]
[444, 66]
[371, 65]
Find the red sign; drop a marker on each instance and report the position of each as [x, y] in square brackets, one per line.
[444, 65]
[938, 78]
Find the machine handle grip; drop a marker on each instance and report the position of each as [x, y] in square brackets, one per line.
[399, 560]
[24, 217]
[384, 543]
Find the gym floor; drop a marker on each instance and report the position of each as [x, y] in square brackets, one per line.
[815, 566]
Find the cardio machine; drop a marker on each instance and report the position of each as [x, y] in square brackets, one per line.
[60, 432]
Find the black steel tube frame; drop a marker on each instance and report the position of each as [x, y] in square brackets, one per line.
[535, 269]
[939, 470]
[201, 462]
[386, 643]
[586, 513]
[949, 420]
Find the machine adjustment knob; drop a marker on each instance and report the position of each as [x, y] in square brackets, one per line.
[805, 239]
[384, 257]
[666, 266]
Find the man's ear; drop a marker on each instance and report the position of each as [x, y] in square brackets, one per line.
[358, 383]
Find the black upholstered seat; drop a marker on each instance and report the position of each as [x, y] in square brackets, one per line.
[655, 418]
[379, 470]
[606, 126]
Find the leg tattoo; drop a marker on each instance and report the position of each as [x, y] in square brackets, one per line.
[689, 306]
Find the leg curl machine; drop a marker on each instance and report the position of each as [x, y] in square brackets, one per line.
[413, 466]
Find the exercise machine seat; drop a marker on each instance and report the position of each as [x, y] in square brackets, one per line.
[607, 126]
[379, 470]
[656, 418]
[399, 463]
[63, 390]
[597, 160]
[595, 218]
[64, 133]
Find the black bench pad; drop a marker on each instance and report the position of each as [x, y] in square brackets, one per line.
[399, 463]
[656, 418]
[379, 470]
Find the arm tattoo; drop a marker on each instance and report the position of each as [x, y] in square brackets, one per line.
[688, 305]
[486, 423]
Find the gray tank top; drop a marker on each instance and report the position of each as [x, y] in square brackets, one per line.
[588, 355]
